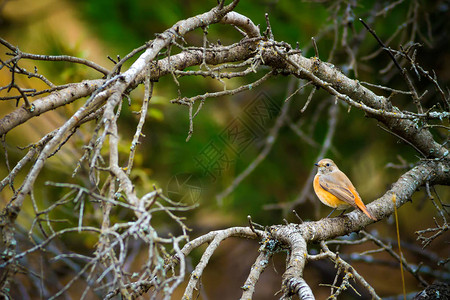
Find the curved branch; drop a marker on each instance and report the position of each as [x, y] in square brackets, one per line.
[119, 85]
[255, 272]
[436, 172]
[112, 96]
[293, 282]
[66, 58]
[244, 232]
[239, 51]
[234, 18]
[322, 74]
[336, 83]
[54, 100]
[296, 236]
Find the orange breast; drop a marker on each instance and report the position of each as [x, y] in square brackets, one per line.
[328, 198]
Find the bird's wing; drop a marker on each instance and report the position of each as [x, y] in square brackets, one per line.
[339, 185]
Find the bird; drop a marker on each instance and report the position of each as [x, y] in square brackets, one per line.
[334, 189]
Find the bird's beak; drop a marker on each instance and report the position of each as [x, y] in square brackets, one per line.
[316, 164]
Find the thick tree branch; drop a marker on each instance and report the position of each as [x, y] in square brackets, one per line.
[295, 237]
[54, 100]
[336, 83]
[322, 74]
[435, 172]
[236, 19]
[163, 67]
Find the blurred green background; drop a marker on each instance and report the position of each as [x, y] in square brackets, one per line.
[96, 29]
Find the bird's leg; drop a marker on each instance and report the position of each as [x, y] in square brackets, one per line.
[331, 212]
[342, 213]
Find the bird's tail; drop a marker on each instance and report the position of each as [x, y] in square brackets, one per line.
[364, 209]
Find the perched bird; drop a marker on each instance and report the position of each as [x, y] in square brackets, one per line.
[334, 188]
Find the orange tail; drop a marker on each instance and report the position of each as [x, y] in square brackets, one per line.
[363, 208]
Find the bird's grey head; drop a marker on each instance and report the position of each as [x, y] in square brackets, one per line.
[326, 165]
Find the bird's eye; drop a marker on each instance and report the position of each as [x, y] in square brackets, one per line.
[328, 164]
